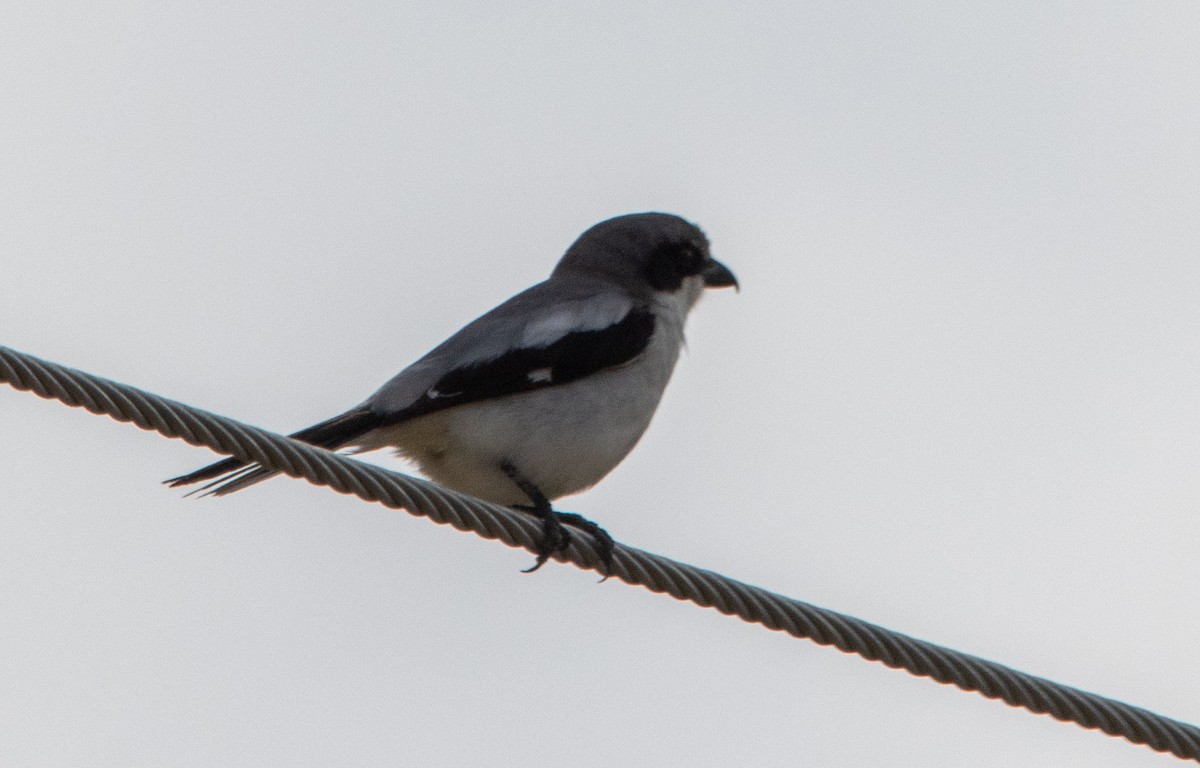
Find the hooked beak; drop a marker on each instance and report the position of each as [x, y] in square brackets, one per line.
[717, 275]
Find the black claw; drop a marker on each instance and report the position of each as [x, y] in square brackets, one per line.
[603, 542]
[555, 536]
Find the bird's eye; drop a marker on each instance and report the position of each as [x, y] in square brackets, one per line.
[689, 260]
[670, 263]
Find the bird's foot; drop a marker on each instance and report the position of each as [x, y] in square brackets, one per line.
[602, 542]
[556, 537]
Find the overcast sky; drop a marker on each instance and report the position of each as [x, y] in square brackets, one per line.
[958, 395]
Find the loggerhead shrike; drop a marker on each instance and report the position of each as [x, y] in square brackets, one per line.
[544, 395]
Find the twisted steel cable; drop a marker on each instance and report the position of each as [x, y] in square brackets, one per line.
[633, 566]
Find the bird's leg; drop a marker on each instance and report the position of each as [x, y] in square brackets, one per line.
[555, 536]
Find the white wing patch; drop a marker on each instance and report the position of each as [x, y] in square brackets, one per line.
[590, 315]
[541, 375]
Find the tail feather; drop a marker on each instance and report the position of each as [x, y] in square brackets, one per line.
[222, 467]
[231, 474]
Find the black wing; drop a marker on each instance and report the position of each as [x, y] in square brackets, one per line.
[570, 358]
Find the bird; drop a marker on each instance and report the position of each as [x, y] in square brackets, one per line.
[545, 394]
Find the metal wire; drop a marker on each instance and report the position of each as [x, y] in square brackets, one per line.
[633, 566]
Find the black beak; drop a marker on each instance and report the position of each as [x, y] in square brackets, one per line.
[717, 275]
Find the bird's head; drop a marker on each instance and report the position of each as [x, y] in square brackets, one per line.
[648, 253]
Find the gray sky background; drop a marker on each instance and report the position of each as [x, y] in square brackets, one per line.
[958, 395]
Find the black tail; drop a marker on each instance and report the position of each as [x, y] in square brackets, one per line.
[229, 475]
